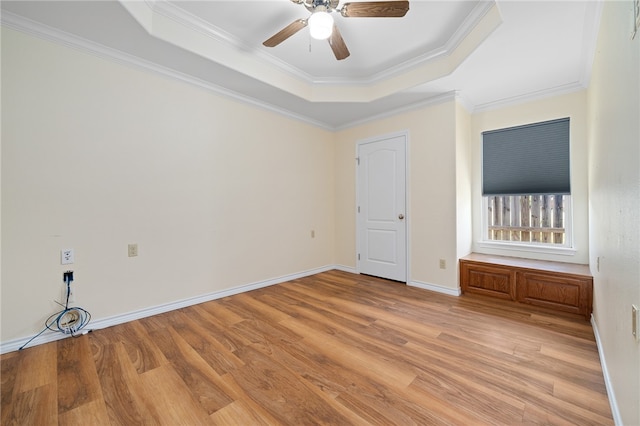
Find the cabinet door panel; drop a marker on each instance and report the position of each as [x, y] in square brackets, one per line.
[488, 280]
[554, 291]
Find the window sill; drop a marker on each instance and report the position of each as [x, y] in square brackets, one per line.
[527, 248]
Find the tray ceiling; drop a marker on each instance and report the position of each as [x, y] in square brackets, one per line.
[486, 53]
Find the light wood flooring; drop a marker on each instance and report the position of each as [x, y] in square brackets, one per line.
[334, 348]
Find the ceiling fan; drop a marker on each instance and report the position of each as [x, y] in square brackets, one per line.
[322, 26]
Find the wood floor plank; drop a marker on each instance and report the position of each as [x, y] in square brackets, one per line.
[259, 332]
[542, 366]
[37, 373]
[198, 376]
[238, 393]
[223, 314]
[588, 359]
[172, 398]
[38, 406]
[77, 379]
[488, 406]
[580, 396]
[280, 391]
[323, 375]
[534, 415]
[309, 296]
[387, 370]
[314, 367]
[237, 414]
[223, 334]
[142, 351]
[9, 369]
[332, 348]
[335, 323]
[221, 359]
[248, 307]
[124, 397]
[93, 413]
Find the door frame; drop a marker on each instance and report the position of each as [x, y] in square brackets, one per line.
[379, 138]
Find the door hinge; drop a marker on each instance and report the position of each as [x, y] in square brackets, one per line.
[358, 209]
[358, 160]
[358, 256]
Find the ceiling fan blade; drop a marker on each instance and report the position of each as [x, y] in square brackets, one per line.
[285, 33]
[375, 9]
[337, 44]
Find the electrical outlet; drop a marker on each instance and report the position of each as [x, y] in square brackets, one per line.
[132, 250]
[66, 256]
[443, 264]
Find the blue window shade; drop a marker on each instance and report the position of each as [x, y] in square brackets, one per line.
[530, 159]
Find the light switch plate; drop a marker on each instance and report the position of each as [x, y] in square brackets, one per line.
[132, 250]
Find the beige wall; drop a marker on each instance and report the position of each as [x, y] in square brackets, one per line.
[614, 201]
[431, 188]
[464, 182]
[96, 155]
[571, 105]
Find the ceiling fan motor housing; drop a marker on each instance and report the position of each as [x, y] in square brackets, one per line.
[319, 5]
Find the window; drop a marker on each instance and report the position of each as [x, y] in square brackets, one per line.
[526, 184]
[528, 218]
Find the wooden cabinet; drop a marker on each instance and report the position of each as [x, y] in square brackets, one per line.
[490, 280]
[564, 287]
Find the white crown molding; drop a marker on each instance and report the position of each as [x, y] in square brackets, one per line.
[464, 101]
[45, 32]
[434, 100]
[531, 96]
[462, 32]
[15, 344]
[470, 22]
[189, 20]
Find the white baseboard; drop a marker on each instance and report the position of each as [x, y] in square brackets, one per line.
[615, 411]
[435, 287]
[51, 336]
[345, 268]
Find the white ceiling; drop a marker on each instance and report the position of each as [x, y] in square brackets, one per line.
[487, 53]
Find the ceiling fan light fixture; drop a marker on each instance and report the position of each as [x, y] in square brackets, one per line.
[320, 25]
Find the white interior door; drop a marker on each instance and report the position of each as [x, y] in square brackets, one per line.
[381, 211]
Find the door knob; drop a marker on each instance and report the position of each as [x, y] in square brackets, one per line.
[400, 216]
